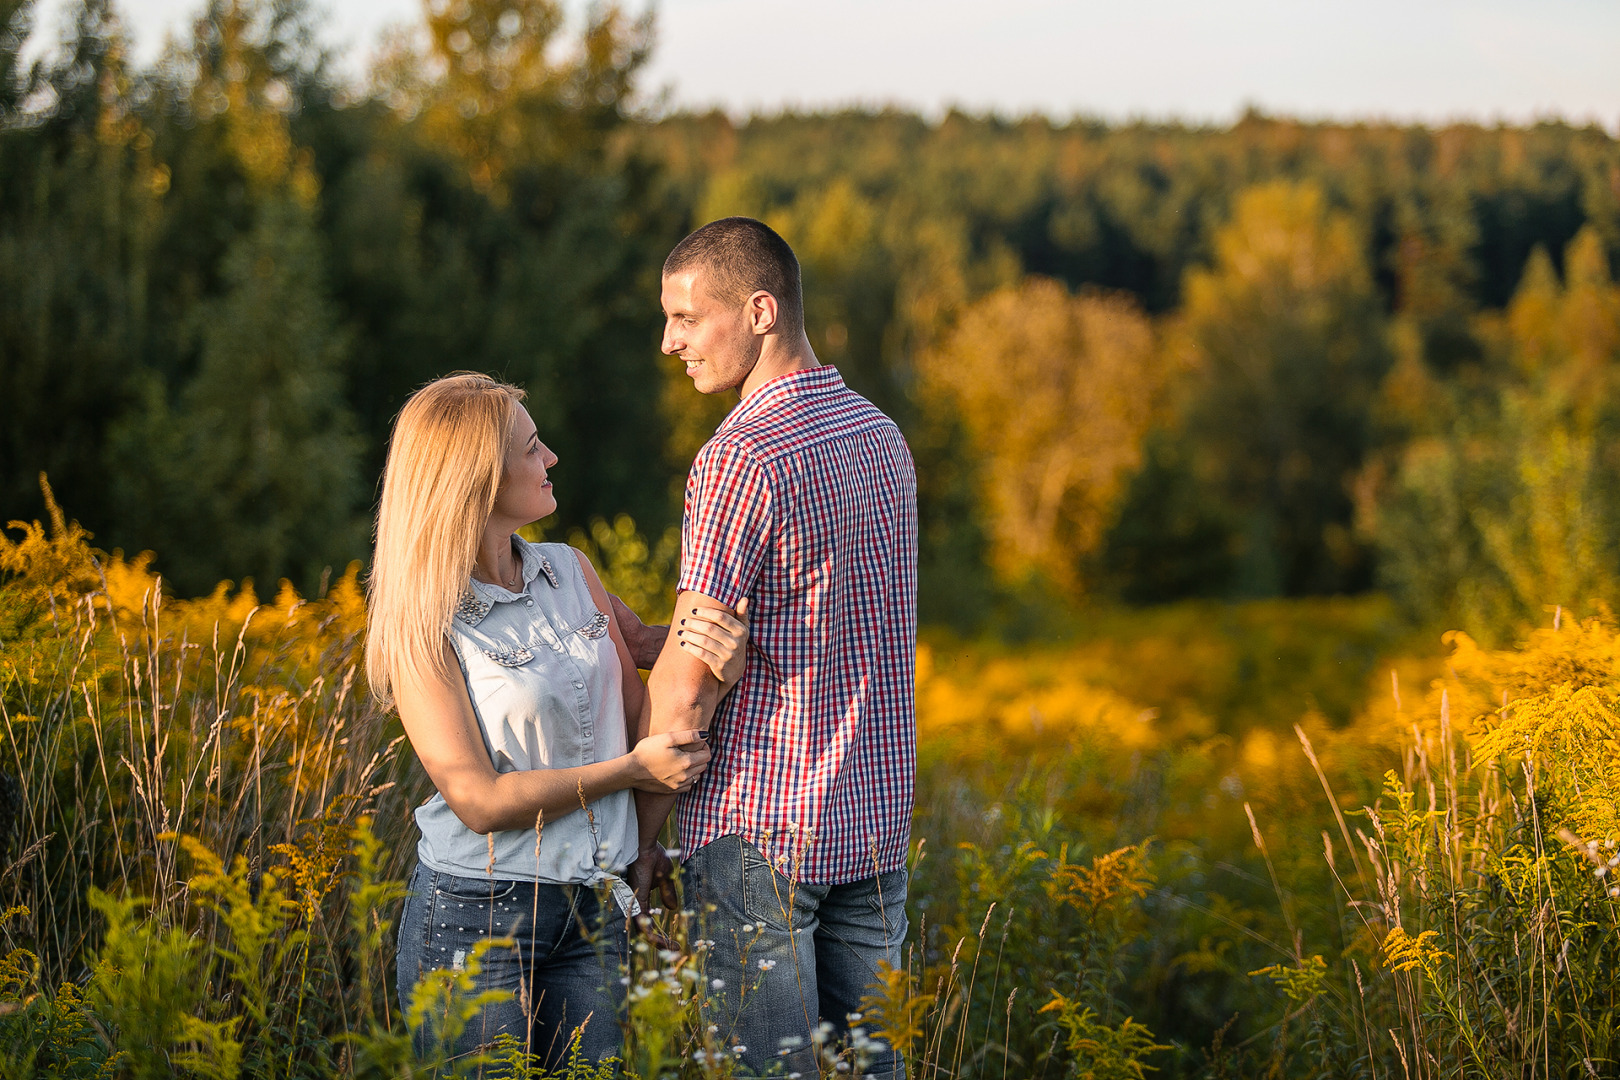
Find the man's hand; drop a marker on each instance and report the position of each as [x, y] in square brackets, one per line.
[652, 868]
[645, 642]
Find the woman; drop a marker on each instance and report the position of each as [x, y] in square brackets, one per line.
[521, 700]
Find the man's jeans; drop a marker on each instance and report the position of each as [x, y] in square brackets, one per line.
[791, 956]
[563, 968]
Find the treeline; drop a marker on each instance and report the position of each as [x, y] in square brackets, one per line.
[1158, 361]
[1135, 361]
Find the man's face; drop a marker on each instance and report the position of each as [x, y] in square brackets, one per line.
[714, 338]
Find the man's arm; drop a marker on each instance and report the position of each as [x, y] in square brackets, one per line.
[645, 642]
[682, 688]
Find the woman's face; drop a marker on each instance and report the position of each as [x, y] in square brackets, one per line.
[525, 494]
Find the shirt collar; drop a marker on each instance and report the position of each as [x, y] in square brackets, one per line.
[807, 382]
[480, 597]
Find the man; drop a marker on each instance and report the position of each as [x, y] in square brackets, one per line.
[804, 503]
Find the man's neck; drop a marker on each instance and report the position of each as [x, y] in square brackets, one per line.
[778, 358]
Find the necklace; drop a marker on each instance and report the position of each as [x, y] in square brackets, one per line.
[511, 585]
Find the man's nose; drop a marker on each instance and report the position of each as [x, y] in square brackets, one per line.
[671, 345]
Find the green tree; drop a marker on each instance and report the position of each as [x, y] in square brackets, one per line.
[254, 470]
[1286, 341]
[77, 192]
[1507, 507]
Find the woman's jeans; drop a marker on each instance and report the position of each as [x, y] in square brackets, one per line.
[562, 969]
[790, 957]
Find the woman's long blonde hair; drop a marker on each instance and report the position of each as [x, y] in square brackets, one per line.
[445, 463]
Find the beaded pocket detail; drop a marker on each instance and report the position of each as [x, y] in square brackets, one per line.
[510, 657]
[596, 627]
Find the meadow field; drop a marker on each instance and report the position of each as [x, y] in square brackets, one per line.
[1283, 838]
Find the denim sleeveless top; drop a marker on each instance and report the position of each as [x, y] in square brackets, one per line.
[544, 678]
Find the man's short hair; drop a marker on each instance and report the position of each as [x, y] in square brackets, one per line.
[744, 256]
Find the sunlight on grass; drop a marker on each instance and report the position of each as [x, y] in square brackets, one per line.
[1107, 878]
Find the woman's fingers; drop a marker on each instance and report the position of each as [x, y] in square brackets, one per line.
[708, 656]
[715, 618]
[712, 642]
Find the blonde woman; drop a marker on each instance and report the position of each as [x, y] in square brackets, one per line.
[521, 699]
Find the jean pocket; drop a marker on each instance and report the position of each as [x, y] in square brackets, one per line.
[472, 890]
[773, 898]
[888, 901]
[888, 891]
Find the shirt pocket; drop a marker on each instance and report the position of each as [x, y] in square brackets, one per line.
[514, 656]
[594, 627]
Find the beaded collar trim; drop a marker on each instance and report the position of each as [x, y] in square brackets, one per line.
[479, 598]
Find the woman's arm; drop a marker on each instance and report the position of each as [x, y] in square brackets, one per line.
[443, 730]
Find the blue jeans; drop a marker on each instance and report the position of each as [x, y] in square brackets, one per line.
[562, 970]
[791, 956]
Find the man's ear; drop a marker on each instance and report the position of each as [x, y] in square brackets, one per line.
[762, 312]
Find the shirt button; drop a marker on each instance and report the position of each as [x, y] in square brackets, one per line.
[578, 685]
[528, 603]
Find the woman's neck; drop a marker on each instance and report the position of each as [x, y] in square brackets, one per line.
[497, 559]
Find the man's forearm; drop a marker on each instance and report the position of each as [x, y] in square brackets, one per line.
[651, 645]
[644, 642]
[677, 704]
[683, 693]
[651, 813]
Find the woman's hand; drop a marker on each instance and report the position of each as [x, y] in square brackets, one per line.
[670, 763]
[718, 638]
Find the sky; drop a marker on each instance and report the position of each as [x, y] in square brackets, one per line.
[1196, 60]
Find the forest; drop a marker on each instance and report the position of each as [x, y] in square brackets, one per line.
[1270, 505]
[1273, 360]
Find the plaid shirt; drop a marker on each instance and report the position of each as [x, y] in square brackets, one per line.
[805, 501]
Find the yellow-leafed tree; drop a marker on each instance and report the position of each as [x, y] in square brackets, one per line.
[1056, 391]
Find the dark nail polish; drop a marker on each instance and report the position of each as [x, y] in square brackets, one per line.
[678, 633]
[683, 622]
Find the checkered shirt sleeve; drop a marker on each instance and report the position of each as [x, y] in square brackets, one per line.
[726, 529]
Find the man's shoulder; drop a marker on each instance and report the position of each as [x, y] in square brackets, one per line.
[796, 425]
[734, 448]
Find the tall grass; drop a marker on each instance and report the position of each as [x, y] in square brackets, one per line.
[210, 826]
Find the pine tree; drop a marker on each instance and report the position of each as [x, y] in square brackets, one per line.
[253, 468]
[254, 471]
